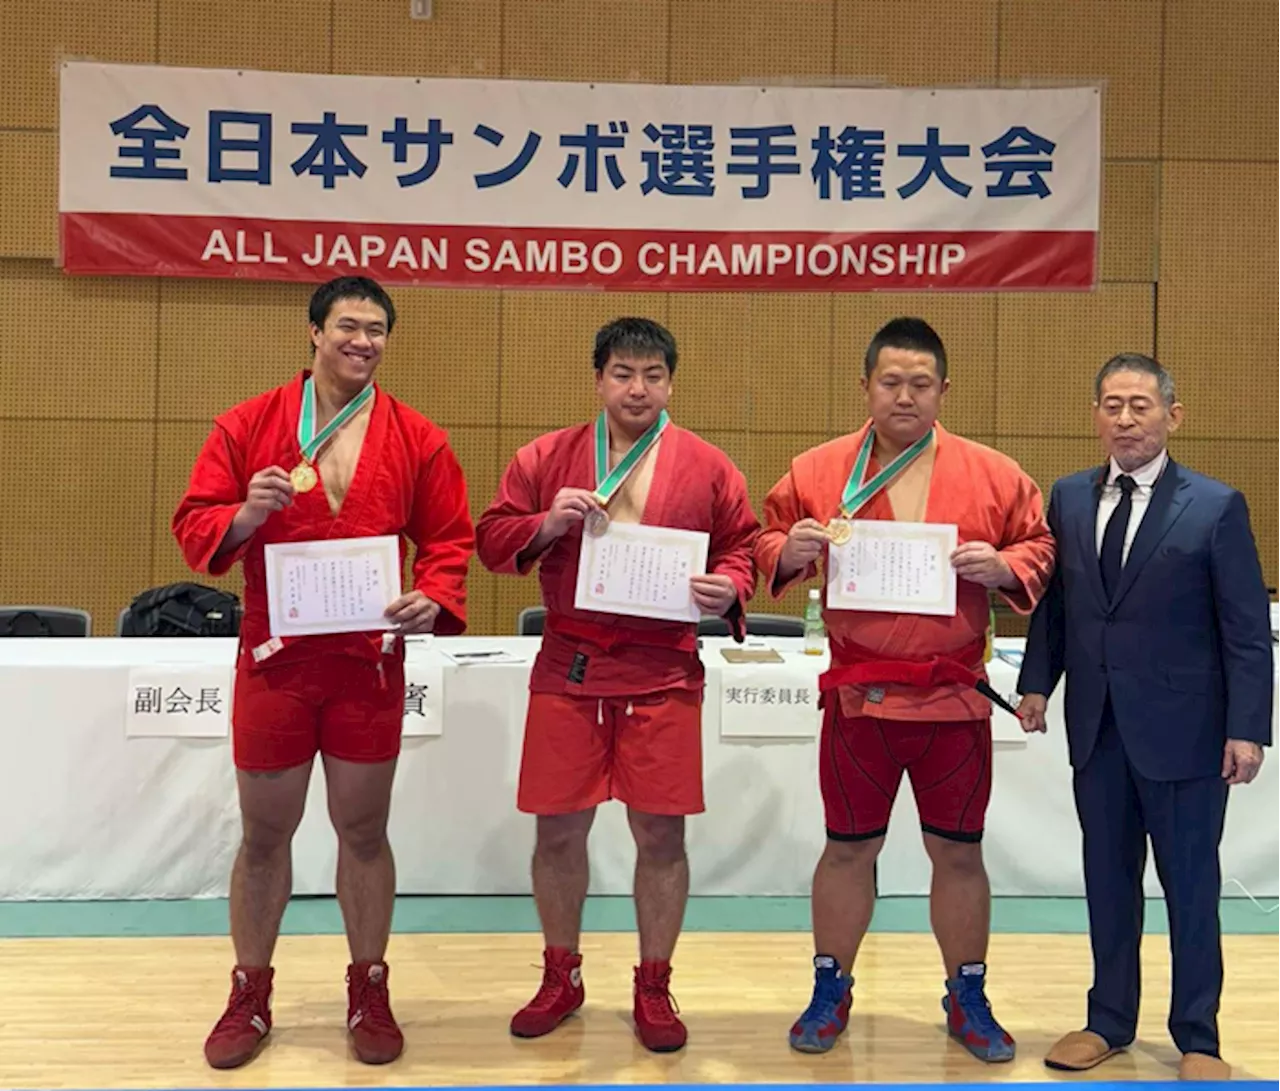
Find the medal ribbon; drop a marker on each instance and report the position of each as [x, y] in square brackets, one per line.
[857, 492]
[309, 442]
[608, 483]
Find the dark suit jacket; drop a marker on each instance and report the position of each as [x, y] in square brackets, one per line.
[1184, 647]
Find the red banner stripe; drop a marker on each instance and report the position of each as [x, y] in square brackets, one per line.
[128, 244]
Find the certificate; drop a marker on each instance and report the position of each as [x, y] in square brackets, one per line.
[343, 585]
[641, 571]
[900, 568]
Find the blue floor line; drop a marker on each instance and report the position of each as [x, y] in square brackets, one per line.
[1091, 1085]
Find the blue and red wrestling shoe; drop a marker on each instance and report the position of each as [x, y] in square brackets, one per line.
[969, 1018]
[827, 1015]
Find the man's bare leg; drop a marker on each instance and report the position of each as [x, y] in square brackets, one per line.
[661, 882]
[844, 897]
[271, 806]
[560, 876]
[359, 805]
[959, 901]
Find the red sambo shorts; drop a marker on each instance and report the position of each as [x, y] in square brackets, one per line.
[861, 762]
[645, 751]
[349, 708]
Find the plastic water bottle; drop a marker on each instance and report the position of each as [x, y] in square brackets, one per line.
[815, 634]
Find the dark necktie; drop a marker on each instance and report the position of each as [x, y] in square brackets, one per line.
[1112, 556]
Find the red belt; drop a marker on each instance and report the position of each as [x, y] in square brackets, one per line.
[860, 667]
[606, 638]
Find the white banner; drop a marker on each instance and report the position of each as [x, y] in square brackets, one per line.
[177, 171]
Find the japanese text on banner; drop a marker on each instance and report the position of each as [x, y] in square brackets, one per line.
[508, 183]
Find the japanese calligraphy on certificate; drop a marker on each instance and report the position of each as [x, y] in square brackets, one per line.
[340, 586]
[900, 568]
[178, 701]
[641, 571]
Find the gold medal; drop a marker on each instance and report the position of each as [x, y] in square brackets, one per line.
[840, 531]
[303, 477]
[597, 522]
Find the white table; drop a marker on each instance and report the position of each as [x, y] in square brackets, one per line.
[89, 813]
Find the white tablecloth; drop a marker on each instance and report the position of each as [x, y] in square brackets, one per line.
[89, 813]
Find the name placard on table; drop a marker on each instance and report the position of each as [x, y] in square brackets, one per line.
[770, 700]
[179, 701]
[423, 689]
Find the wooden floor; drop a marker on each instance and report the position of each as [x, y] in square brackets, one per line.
[125, 1013]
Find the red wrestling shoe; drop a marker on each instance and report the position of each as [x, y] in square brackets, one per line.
[375, 1036]
[559, 996]
[657, 1025]
[246, 1023]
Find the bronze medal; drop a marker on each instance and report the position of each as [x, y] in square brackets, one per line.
[597, 522]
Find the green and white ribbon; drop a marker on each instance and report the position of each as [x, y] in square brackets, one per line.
[309, 440]
[609, 481]
[856, 492]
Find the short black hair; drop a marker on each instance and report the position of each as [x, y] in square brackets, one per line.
[1136, 361]
[635, 337]
[912, 334]
[324, 297]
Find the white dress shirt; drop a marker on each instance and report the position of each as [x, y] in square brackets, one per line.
[1146, 478]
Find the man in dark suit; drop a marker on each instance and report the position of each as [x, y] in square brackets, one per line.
[1159, 618]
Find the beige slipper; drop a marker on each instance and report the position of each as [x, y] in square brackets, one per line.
[1079, 1051]
[1200, 1066]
